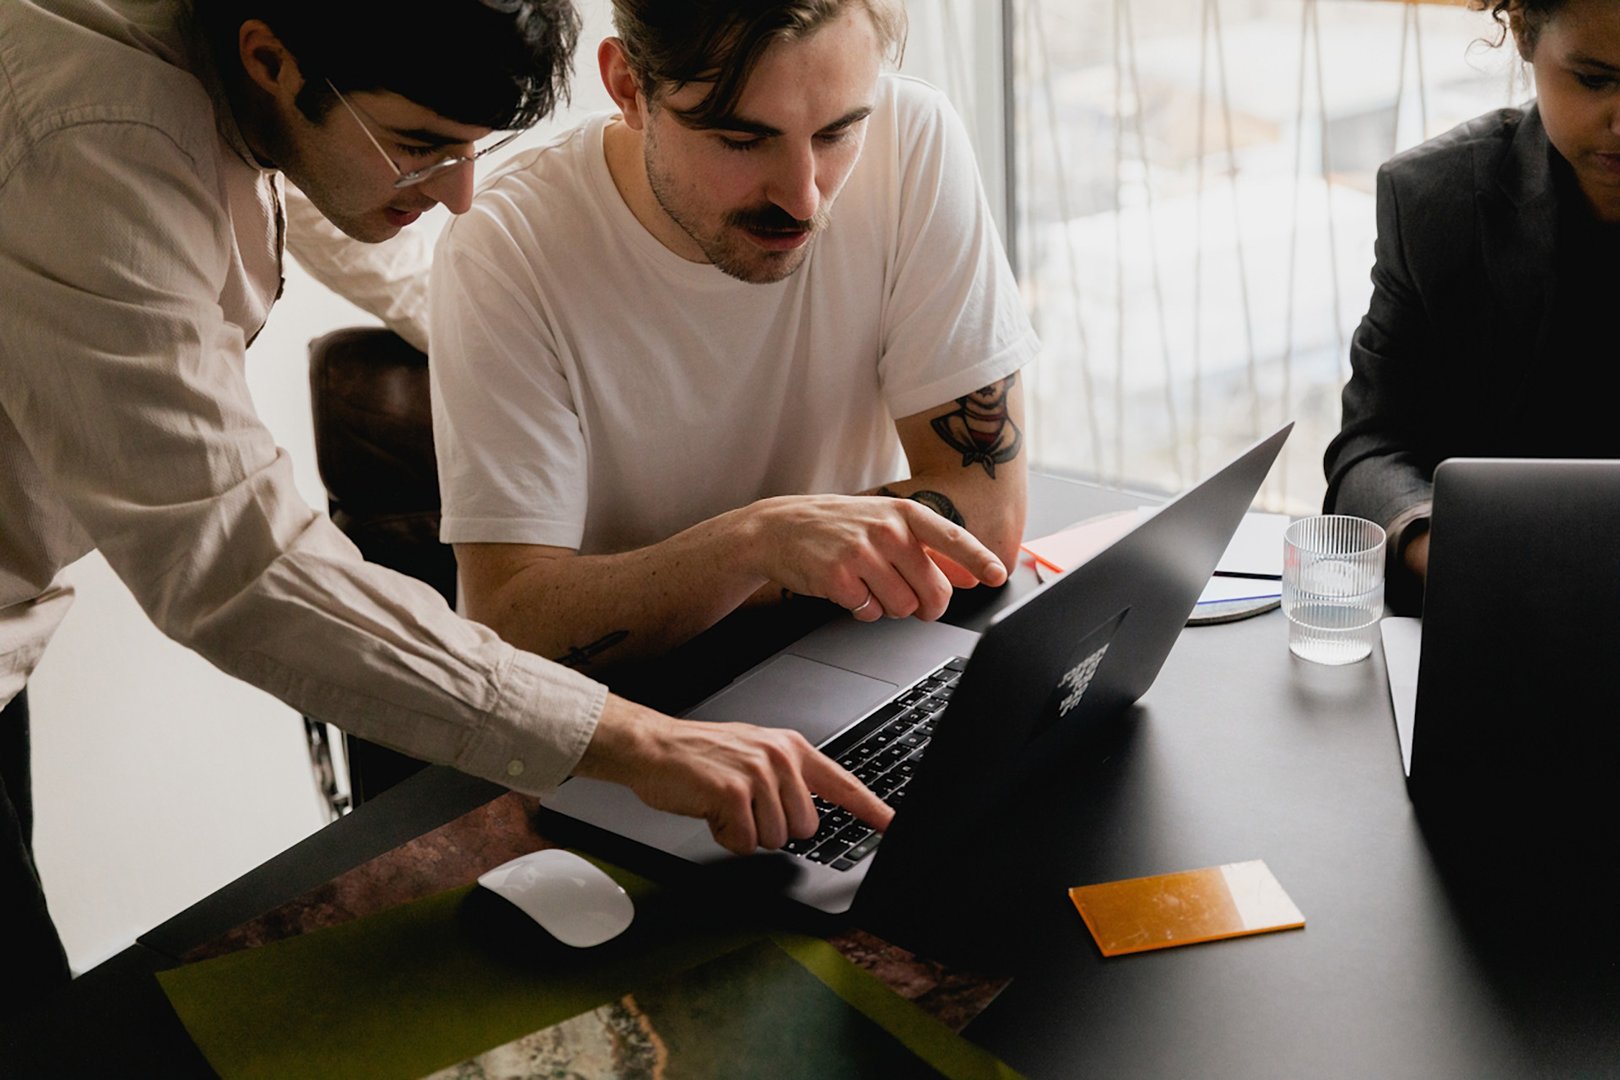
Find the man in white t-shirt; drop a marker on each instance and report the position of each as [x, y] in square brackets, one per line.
[664, 363]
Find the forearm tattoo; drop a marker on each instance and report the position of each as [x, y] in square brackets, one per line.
[934, 500]
[982, 430]
[580, 656]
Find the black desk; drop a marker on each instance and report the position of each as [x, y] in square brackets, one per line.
[1239, 751]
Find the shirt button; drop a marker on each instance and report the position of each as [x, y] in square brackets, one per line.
[514, 767]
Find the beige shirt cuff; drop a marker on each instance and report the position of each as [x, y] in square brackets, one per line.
[544, 717]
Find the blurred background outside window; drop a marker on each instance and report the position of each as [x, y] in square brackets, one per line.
[1186, 192]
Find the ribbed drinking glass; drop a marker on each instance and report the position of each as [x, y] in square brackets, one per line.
[1333, 587]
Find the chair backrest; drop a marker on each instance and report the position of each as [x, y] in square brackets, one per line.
[374, 448]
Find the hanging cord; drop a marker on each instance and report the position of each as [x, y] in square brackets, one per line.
[1071, 254]
[1327, 193]
[1400, 79]
[1210, 25]
[1124, 10]
[956, 67]
[1119, 248]
[1030, 245]
[1293, 229]
[1237, 226]
[1196, 420]
[1411, 32]
[1310, 47]
[1422, 84]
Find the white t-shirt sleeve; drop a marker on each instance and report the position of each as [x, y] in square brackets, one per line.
[512, 456]
[953, 320]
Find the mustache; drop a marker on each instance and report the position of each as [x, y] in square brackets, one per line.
[772, 218]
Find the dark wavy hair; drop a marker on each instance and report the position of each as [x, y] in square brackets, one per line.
[489, 63]
[1531, 14]
[670, 44]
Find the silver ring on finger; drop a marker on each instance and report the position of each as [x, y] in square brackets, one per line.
[864, 604]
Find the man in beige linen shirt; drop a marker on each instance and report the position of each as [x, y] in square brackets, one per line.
[142, 151]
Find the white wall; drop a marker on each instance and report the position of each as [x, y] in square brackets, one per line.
[159, 779]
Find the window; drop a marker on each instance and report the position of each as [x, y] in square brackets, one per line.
[1192, 213]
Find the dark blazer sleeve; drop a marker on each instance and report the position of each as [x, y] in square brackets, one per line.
[1374, 466]
[1438, 363]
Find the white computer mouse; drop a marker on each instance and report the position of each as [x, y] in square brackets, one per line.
[571, 899]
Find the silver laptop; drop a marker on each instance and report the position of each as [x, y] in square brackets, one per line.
[1508, 690]
[945, 722]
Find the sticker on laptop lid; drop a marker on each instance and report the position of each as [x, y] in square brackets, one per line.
[1079, 673]
[1185, 908]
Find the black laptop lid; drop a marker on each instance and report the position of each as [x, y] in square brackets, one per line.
[1069, 660]
[1518, 705]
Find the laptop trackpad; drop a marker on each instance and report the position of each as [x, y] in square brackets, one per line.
[816, 699]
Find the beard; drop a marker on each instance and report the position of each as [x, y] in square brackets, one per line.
[727, 245]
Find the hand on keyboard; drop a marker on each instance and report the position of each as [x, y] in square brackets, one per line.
[883, 752]
[755, 786]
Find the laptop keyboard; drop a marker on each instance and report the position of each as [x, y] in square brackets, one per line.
[882, 751]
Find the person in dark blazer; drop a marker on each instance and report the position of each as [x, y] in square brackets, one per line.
[1491, 330]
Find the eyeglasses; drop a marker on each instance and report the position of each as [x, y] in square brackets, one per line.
[405, 179]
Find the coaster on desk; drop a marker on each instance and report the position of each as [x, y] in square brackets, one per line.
[1230, 595]
[1185, 908]
[1211, 612]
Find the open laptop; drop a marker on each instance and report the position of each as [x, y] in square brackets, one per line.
[1507, 694]
[943, 722]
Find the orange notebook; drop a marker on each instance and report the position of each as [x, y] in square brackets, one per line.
[1185, 908]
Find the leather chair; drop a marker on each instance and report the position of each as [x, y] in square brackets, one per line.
[374, 447]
